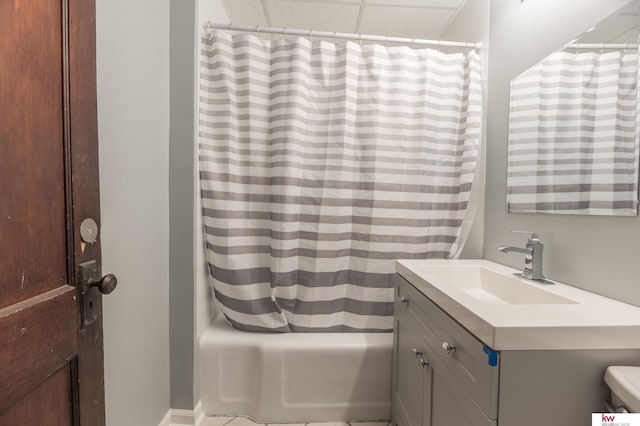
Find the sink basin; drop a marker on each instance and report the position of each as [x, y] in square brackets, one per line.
[508, 312]
[490, 287]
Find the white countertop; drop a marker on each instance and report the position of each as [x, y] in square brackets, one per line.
[592, 322]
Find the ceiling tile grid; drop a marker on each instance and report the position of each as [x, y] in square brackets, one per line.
[245, 12]
[405, 22]
[321, 16]
[453, 4]
[393, 18]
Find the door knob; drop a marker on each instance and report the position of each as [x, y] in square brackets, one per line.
[88, 275]
[89, 278]
[105, 285]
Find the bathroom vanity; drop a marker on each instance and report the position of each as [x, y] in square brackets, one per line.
[476, 345]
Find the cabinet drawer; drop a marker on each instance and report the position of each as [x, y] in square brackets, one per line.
[467, 362]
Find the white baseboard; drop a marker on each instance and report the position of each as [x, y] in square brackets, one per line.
[178, 417]
[198, 414]
[166, 420]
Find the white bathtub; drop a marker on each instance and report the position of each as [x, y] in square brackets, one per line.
[295, 377]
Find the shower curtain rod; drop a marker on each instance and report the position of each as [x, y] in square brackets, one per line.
[601, 46]
[346, 36]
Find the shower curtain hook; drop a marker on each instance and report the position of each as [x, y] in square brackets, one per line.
[413, 42]
[311, 36]
[284, 34]
[360, 38]
[257, 29]
[386, 41]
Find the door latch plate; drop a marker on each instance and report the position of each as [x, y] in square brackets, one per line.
[90, 295]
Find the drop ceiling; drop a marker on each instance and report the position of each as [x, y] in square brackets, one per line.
[424, 19]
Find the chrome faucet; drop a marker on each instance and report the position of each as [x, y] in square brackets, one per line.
[532, 256]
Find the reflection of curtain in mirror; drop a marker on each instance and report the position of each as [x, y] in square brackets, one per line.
[573, 135]
[320, 164]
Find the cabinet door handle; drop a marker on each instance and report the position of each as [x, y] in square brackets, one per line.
[423, 363]
[416, 352]
[448, 347]
[404, 300]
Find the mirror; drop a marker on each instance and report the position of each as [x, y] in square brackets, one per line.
[574, 125]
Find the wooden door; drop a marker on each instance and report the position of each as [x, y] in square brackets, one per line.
[51, 357]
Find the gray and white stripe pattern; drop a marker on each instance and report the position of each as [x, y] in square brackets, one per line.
[320, 164]
[573, 135]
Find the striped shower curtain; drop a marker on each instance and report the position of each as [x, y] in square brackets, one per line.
[320, 164]
[573, 135]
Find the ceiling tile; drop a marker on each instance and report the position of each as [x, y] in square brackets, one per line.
[322, 16]
[419, 3]
[404, 22]
[245, 12]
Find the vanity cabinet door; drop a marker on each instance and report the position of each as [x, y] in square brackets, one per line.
[428, 389]
[467, 362]
[447, 403]
[409, 381]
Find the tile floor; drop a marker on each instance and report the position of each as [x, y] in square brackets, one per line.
[243, 421]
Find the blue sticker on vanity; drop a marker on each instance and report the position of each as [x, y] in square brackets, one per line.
[491, 355]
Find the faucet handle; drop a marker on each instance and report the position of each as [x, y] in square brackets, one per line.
[533, 235]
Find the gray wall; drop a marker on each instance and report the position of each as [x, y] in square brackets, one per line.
[182, 202]
[133, 121]
[190, 310]
[596, 253]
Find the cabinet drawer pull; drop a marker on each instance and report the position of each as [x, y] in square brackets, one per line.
[448, 347]
[404, 300]
[416, 352]
[423, 363]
